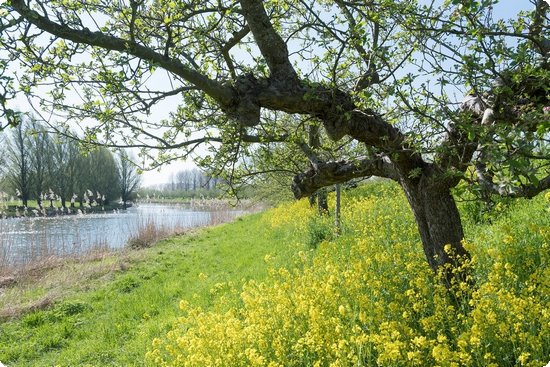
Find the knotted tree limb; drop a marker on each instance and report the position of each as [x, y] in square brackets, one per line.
[329, 173]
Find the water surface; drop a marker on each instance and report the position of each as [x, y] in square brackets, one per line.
[25, 239]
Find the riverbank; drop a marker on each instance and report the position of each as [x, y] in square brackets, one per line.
[104, 309]
[33, 211]
[30, 239]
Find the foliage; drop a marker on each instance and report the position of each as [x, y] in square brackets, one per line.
[101, 173]
[47, 167]
[128, 178]
[320, 228]
[19, 166]
[368, 298]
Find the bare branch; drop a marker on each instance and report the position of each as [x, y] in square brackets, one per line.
[524, 191]
[313, 159]
[271, 45]
[237, 37]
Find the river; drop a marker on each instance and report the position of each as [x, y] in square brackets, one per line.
[27, 239]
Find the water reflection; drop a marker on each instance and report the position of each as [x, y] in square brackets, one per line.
[25, 239]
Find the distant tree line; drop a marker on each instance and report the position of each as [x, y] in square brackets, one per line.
[187, 183]
[192, 180]
[38, 165]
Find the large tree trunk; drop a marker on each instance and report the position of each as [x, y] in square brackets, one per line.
[322, 201]
[439, 224]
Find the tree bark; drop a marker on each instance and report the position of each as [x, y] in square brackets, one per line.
[439, 225]
[322, 201]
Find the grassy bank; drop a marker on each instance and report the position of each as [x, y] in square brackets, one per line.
[281, 289]
[105, 310]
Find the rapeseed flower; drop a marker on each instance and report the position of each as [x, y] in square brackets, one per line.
[367, 297]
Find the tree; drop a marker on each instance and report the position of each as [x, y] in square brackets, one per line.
[102, 176]
[3, 143]
[128, 178]
[64, 168]
[19, 162]
[192, 180]
[40, 154]
[384, 78]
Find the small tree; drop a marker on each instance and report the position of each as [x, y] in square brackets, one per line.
[59, 177]
[40, 152]
[19, 162]
[128, 178]
[103, 176]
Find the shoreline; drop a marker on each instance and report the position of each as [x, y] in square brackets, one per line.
[147, 234]
[33, 212]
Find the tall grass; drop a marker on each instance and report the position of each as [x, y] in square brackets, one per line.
[149, 232]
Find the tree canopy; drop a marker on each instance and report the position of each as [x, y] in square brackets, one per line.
[427, 93]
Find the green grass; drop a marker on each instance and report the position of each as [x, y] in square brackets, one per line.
[109, 317]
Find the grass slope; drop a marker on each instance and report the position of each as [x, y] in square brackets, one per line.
[112, 312]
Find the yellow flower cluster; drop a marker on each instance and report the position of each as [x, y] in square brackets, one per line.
[293, 216]
[368, 298]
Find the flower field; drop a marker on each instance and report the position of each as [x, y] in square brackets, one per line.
[366, 297]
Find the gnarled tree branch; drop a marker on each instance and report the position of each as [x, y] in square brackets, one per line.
[271, 45]
[330, 173]
[524, 191]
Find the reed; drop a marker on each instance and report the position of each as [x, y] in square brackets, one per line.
[149, 232]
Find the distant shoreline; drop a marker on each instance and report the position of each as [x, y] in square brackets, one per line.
[16, 212]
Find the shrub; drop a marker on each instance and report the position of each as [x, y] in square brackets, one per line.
[127, 284]
[320, 228]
